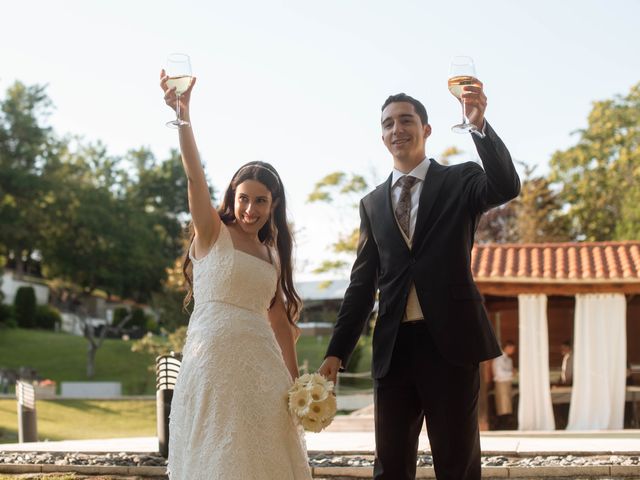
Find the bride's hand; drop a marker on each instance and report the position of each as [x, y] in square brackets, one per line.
[170, 93]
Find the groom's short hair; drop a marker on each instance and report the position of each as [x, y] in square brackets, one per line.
[417, 105]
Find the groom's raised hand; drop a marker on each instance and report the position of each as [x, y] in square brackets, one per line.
[475, 103]
[329, 368]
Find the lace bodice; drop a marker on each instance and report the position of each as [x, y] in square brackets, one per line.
[232, 276]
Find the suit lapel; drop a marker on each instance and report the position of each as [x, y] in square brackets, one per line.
[388, 217]
[432, 184]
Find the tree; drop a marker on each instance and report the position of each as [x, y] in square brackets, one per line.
[449, 152]
[535, 216]
[168, 303]
[109, 235]
[347, 188]
[26, 145]
[94, 341]
[104, 238]
[159, 186]
[539, 212]
[499, 225]
[94, 220]
[599, 176]
[159, 346]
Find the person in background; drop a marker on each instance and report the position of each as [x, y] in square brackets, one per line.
[503, 379]
[566, 372]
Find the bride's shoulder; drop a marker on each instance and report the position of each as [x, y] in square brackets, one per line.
[222, 240]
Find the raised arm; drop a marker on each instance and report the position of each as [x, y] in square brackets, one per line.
[498, 182]
[206, 220]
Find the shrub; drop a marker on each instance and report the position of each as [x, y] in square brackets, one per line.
[139, 319]
[47, 317]
[7, 316]
[150, 324]
[25, 307]
[119, 315]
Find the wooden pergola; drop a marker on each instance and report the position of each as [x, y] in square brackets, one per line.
[560, 271]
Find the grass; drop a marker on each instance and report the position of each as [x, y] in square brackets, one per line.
[313, 349]
[63, 357]
[83, 419]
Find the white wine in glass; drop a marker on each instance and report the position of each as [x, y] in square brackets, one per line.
[179, 72]
[181, 83]
[462, 72]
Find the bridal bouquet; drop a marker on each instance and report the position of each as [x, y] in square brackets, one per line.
[311, 399]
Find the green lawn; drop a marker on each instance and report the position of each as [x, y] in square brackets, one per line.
[313, 349]
[63, 357]
[79, 419]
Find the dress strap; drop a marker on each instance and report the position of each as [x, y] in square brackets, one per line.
[223, 240]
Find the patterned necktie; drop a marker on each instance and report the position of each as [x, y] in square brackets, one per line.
[403, 208]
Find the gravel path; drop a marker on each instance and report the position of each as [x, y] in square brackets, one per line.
[318, 460]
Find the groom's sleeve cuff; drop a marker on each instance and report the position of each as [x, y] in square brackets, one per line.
[483, 131]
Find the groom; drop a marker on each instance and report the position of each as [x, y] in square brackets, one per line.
[416, 236]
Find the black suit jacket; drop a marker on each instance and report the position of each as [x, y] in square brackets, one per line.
[452, 200]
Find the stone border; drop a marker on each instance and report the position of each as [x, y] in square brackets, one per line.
[493, 453]
[83, 469]
[498, 472]
[588, 471]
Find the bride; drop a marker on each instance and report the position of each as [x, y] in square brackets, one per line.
[229, 416]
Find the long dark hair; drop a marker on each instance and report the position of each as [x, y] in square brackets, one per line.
[275, 232]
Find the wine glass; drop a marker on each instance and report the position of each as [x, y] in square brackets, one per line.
[179, 72]
[462, 72]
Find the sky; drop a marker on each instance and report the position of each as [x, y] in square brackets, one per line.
[299, 84]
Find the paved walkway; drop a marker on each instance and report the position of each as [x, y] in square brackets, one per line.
[492, 443]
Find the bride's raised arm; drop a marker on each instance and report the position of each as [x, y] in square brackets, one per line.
[206, 220]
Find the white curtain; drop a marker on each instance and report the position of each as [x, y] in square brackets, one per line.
[535, 411]
[599, 362]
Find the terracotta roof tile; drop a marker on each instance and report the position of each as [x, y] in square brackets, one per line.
[577, 262]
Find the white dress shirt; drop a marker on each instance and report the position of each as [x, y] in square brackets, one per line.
[503, 368]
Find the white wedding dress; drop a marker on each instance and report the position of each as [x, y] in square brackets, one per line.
[229, 416]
